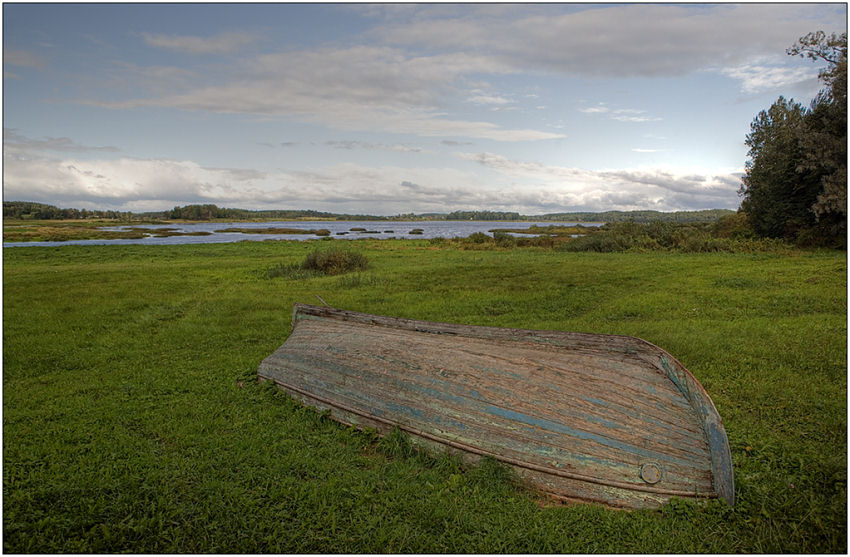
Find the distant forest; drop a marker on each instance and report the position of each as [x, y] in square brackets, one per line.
[41, 211]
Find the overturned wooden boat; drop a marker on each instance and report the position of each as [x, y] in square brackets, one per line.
[602, 418]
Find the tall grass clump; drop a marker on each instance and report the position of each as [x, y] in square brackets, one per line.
[729, 236]
[503, 240]
[335, 261]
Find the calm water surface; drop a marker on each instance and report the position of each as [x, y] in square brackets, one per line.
[338, 230]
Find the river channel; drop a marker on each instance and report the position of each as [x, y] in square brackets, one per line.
[217, 233]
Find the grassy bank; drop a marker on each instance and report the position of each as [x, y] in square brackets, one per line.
[133, 421]
[17, 230]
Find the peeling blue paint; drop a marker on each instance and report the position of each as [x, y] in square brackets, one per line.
[531, 413]
[666, 365]
[499, 372]
[721, 462]
[674, 377]
[561, 428]
[450, 422]
[402, 409]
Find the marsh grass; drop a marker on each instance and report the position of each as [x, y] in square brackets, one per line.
[335, 261]
[277, 230]
[726, 235]
[61, 231]
[166, 232]
[320, 262]
[294, 271]
[133, 421]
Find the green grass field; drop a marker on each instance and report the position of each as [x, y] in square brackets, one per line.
[133, 421]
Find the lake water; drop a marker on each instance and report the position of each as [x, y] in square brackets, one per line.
[338, 230]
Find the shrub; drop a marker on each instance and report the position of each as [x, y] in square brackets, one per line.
[335, 261]
[687, 238]
[543, 241]
[603, 241]
[503, 239]
[735, 226]
[478, 238]
[692, 240]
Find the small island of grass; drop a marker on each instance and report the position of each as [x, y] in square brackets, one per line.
[277, 230]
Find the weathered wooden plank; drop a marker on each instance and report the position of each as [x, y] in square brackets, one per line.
[669, 407]
[589, 417]
[445, 415]
[399, 391]
[591, 411]
[472, 406]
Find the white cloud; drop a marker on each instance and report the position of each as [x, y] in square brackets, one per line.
[474, 56]
[217, 44]
[527, 187]
[662, 188]
[620, 114]
[23, 59]
[453, 143]
[758, 77]
[15, 143]
[372, 88]
[435, 127]
[148, 184]
[386, 87]
[626, 118]
[598, 109]
[488, 99]
[114, 183]
[602, 40]
[349, 144]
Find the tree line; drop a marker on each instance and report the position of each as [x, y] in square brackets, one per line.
[211, 212]
[706, 215]
[795, 186]
[42, 211]
[483, 215]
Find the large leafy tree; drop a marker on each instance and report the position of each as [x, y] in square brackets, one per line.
[825, 134]
[796, 176]
[777, 195]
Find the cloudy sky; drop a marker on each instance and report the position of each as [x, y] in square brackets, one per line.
[394, 108]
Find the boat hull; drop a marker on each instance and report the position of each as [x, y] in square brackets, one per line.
[601, 418]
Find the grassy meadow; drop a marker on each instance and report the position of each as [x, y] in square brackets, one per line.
[133, 420]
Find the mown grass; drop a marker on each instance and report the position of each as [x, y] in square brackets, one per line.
[133, 421]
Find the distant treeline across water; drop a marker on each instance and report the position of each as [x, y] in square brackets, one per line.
[207, 212]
